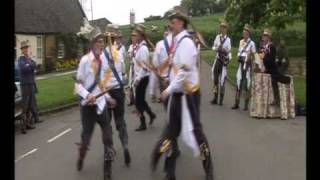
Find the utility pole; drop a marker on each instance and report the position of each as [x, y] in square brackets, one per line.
[91, 11]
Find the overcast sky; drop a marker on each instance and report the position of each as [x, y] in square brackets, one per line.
[118, 11]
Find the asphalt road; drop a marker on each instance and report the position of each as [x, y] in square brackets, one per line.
[244, 148]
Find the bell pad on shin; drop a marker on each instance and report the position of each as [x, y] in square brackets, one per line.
[204, 151]
[109, 155]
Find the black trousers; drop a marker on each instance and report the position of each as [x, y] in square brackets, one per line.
[118, 114]
[89, 117]
[162, 86]
[174, 126]
[217, 72]
[140, 99]
[28, 93]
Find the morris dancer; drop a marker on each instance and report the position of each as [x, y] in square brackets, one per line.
[222, 45]
[246, 52]
[141, 77]
[92, 109]
[183, 109]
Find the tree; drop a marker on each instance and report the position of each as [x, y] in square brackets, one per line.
[200, 7]
[260, 13]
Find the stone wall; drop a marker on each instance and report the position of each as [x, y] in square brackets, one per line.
[297, 67]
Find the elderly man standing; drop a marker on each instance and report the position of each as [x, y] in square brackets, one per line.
[269, 60]
[28, 88]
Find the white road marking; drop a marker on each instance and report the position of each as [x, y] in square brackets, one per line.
[26, 154]
[59, 135]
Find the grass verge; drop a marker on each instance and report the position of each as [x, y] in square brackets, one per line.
[55, 92]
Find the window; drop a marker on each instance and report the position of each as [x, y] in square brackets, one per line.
[39, 47]
[60, 50]
[80, 49]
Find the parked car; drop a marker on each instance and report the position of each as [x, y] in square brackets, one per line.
[18, 97]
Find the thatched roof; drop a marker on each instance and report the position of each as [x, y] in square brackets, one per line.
[48, 16]
[101, 23]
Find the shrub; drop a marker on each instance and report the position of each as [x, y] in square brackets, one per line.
[297, 51]
[151, 18]
[65, 64]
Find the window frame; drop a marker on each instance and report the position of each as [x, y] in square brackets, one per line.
[39, 47]
[60, 50]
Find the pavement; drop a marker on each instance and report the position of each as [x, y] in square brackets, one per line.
[54, 74]
[243, 148]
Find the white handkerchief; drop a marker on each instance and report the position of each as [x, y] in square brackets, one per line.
[101, 103]
[187, 129]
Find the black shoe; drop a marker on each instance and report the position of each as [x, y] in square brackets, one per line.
[107, 169]
[214, 101]
[178, 153]
[127, 158]
[141, 128]
[170, 178]
[152, 117]
[38, 121]
[23, 131]
[30, 127]
[235, 106]
[221, 99]
[79, 164]
[107, 178]
[209, 177]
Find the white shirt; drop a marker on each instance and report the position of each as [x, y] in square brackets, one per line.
[129, 54]
[161, 54]
[226, 45]
[118, 63]
[185, 55]
[141, 56]
[86, 75]
[122, 50]
[250, 48]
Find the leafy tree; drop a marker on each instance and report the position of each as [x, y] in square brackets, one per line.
[203, 7]
[261, 13]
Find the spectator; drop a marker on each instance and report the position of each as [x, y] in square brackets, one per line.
[282, 57]
[28, 88]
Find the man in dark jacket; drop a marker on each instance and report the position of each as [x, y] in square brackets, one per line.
[28, 88]
[282, 59]
[269, 61]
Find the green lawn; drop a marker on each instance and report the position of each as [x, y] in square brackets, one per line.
[300, 89]
[55, 91]
[299, 82]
